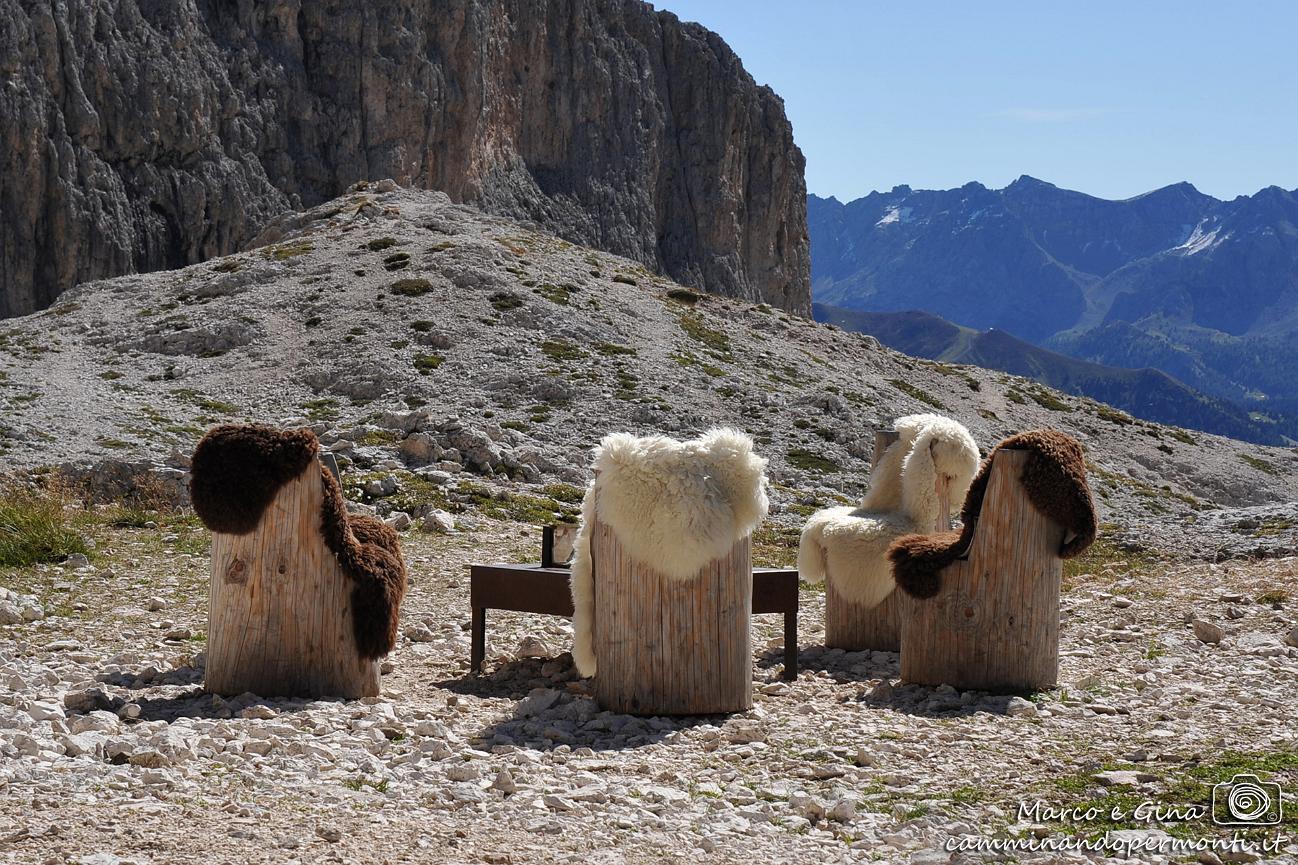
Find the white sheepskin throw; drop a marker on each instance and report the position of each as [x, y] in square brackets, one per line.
[848, 546]
[674, 505]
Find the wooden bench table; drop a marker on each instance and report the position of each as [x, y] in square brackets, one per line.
[536, 589]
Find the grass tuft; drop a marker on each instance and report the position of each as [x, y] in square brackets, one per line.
[917, 393]
[1260, 464]
[35, 526]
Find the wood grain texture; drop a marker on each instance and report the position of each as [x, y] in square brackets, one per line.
[994, 625]
[280, 613]
[667, 646]
[851, 627]
[847, 625]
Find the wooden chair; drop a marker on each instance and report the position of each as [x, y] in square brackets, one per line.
[303, 598]
[853, 544]
[991, 619]
[662, 576]
[668, 646]
[847, 625]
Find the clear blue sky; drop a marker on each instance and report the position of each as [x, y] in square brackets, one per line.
[1110, 98]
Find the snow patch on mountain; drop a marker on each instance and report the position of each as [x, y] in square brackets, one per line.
[894, 215]
[1200, 240]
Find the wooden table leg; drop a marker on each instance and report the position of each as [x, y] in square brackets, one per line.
[478, 639]
[791, 644]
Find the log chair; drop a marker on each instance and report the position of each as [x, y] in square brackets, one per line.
[980, 610]
[847, 625]
[662, 578]
[282, 614]
[669, 646]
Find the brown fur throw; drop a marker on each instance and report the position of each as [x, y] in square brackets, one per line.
[237, 470]
[1054, 477]
[236, 473]
[370, 553]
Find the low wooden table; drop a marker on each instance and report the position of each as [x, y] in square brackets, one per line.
[536, 589]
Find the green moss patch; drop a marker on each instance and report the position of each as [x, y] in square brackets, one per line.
[561, 350]
[1260, 464]
[810, 461]
[505, 300]
[695, 328]
[285, 251]
[412, 287]
[917, 393]
[426, 363]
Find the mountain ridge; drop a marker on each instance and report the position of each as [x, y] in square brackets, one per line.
[1146, 393]
[1202, 288]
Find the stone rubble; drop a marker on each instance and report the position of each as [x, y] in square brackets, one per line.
[847, 763]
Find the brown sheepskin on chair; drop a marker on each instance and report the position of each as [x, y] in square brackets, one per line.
[1054, 478]
[236, 471]
[235, 474]
[370, 553]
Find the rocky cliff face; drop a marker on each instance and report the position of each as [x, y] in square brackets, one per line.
[140, 134]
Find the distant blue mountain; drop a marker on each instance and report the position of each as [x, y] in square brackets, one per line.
[1202, 289]
[1145, 393]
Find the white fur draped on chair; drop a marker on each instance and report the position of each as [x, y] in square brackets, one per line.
[673, 505]
[849, 546]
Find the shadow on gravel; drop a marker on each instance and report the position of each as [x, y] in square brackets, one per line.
[877, 675]
[925, 702]
[577, 722]
[196, 703]
[557, 710]
[838, 665]
[185, 698]
[514, 680]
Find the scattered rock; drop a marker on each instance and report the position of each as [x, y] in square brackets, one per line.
[842, 811]
[419, 449]
[504, 782]
[420, 633]
[1207, 632]
[380, 487]
[439, 521]
[1124, 778]
[533, 647]
[538, 701]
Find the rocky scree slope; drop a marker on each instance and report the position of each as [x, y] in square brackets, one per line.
[141, 136]
[444, 353]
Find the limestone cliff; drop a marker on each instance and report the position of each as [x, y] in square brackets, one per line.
[146, 134]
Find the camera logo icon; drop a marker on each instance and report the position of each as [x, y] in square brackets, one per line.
[1246, 800]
